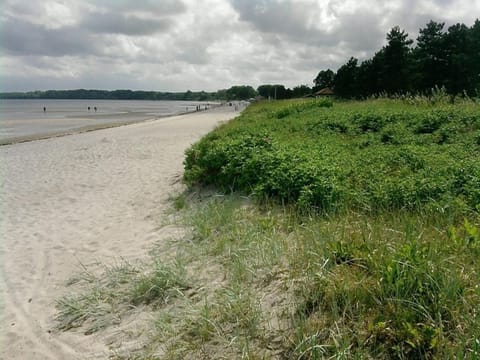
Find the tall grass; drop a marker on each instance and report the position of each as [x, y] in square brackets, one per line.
[396, 285]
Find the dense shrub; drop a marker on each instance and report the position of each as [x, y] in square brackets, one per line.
[373, 155]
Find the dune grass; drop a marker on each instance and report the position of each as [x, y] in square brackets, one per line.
[397, 285]
[107, 295]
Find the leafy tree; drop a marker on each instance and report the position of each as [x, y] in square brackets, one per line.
[266, 91]
[280, 92]
[274, 92]
[300, 91]
[241, 92]
[188, 95]
[324, 79]
[222, 94]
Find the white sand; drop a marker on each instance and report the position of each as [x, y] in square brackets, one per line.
[75, 199]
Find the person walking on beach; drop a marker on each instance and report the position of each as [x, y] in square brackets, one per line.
[44, 109]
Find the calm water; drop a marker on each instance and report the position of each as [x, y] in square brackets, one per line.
[26, 118]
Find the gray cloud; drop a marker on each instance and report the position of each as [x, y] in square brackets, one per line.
[23, 38]
[302, 24]
[163, 7]
[210, 44]
[276, 17]
[360, 31]
[115, 23]
[135, 18]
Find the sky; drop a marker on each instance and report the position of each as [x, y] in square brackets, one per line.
[179, 45]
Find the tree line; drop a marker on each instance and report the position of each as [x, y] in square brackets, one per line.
[441, 58]
[237, 92]
[111, 95]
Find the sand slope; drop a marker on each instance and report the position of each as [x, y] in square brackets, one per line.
[76, 199]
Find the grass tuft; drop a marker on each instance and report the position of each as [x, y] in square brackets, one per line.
[104, 298]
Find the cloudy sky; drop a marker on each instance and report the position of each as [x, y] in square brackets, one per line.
[177, 45]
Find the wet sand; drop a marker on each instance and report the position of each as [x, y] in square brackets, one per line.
[72, 200]
[22, 130]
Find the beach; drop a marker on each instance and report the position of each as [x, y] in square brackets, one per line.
[74, 200]
[33, 119]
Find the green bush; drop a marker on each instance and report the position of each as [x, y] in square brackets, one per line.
[374, 155]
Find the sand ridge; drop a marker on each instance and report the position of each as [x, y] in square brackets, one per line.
[76, 199]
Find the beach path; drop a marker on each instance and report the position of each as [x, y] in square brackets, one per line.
[76, 199]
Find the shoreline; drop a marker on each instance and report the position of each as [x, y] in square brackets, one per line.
[89, 128]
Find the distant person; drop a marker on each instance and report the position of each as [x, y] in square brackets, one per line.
[95, 108]
[44, 109]
[89, 108]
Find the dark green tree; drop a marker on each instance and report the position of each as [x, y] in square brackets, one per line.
[458, 60]
[430, 57]
[241, 92]
[324, 79]
[265, 91]
[300, 91]
[475, 56]
[397, 62]
[345, 81]
[277, 92]
[369, 75]
[450, 59]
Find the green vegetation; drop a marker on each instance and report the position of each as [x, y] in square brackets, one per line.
[372, 156]
[367, 230]
[350, 230]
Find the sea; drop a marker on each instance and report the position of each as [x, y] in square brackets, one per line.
[28, 119]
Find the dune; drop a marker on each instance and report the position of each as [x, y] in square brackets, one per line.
[73, 200]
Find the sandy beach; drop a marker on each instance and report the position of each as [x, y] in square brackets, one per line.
[72, 200]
